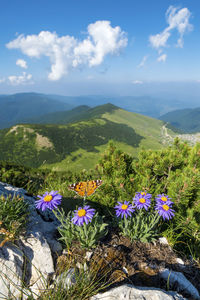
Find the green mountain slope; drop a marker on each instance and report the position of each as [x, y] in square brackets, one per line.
[187, 120]
[60, 117]
[79, 145]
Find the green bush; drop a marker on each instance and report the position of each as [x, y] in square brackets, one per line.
[13, 217]
[174, 171]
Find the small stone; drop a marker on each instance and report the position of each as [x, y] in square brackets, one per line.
[180, 262]
[88, 255]
[163, 241]
[124, 269]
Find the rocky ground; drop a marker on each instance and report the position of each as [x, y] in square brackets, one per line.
[142, 266]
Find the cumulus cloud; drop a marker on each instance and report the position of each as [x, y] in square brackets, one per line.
[162, 58]
[66, 52]
[22, 79]
[143, 62]
[137, 82]
[177, 19]
[21, 63]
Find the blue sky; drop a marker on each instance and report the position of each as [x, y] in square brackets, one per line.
[76, 47]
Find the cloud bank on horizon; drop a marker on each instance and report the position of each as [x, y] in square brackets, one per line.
[67, 52]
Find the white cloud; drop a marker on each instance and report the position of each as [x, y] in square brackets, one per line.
[22, 79]
[143, 62]
[160, 39]
[103, 39]
[66, 52]
[137, 82]
[162, 58]
[177, 19]
[21, 63]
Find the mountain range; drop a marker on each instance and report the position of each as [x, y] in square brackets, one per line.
[187, 120]
[18, 108]
[33, 107]
[79, 144]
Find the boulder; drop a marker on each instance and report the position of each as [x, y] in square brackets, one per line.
[130, 292]
[11, 270]
[33, 253]
[180, 281]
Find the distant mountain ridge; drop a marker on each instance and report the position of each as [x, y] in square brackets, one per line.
[18, 107]
[146, 105]
[25, 107]
[187, 120]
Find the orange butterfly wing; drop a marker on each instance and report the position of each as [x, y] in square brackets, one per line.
[79, 187]
[85, 188]
[92, 186]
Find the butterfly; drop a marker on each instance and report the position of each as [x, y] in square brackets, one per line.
[85, 188]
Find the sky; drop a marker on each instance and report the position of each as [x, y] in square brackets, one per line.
[107, 47]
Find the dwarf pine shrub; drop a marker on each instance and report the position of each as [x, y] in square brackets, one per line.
[174, 171]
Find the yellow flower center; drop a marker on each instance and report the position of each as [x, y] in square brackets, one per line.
[81, 212]
[142, 200]
[143, 193]
[124, 206]
[165, 207]
[164, 199]
[48, 198]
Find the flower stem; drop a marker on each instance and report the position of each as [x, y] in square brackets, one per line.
[85, 232]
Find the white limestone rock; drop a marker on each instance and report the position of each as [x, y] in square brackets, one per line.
[182, 284]
[130, 292]
[39, 246]
[38, 221]
[181, 263]
[11, 274]
[38, 259]
[163, 241]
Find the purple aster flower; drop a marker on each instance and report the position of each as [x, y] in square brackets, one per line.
[49, 200]
[142, 200]
[165, 211]
[124, 209]
[83, 215]
[163, 199]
